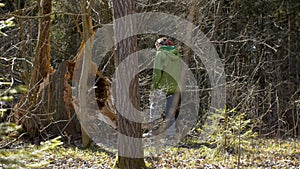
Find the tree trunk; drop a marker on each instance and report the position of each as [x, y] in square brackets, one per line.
[56, 100]
[130, 154]
[86, 61]
[47, 110]
[55, 113]
[42, 56]
[41, 68]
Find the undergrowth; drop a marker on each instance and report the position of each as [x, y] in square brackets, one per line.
[231, 145]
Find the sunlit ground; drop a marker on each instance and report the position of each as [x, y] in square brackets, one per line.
[263, 153]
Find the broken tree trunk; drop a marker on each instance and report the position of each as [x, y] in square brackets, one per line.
[41, 68]
[48, 110]
[55, 112]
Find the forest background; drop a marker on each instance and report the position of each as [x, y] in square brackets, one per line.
[258, 42]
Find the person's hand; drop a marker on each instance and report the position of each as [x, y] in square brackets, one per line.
[151, 95]
[154, 94]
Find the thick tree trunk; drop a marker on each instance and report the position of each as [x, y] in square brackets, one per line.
[47, 110]
[55, 113]
[129, 130]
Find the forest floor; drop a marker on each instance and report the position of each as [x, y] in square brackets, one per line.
[262, 153]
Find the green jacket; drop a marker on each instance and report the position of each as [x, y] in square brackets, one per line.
[167, 70]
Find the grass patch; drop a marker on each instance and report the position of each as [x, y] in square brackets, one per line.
[262, 153]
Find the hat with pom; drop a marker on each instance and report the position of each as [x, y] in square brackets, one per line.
[164, 41]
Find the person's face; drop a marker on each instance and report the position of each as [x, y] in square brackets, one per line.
[157, 45]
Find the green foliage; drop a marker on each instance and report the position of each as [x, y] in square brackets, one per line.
[275, 153]
[19, 158]
[7, 128]
[19, 89]
[8, 94]
[7, 98]
[232, 134]
[16, 158]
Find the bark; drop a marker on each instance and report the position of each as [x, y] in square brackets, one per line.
[86, 71]
[42, 56]
[49, 109]
[126, 127]
[41, 67]
[55, 113]
[86, 61]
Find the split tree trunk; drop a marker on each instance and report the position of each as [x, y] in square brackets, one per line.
[87, 60]
[41, 68]
[47, 111]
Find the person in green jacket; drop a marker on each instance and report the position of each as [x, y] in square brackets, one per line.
[166, 79]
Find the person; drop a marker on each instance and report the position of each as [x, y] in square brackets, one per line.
[165, 89]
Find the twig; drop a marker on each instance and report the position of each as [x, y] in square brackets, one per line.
[46, 15]
[246, 40]
[11, 142]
